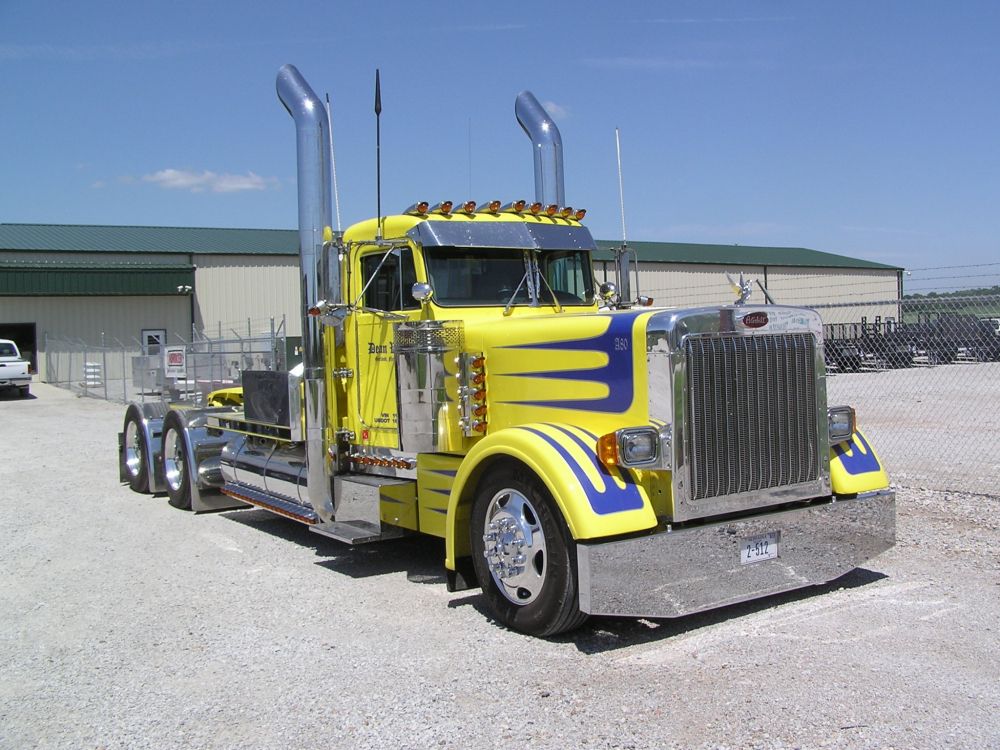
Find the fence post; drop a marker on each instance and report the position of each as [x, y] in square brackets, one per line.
[104, 367]
[86, 389]
[274, 348]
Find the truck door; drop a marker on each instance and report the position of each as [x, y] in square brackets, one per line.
[389, 279]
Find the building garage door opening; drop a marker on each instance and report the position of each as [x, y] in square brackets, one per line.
[22, 334]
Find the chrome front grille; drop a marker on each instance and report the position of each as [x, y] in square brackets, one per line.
[751, 412]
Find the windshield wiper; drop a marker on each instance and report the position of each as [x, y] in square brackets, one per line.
[510, 302]
[555, 299]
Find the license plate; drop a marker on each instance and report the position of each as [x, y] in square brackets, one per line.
[761, 547]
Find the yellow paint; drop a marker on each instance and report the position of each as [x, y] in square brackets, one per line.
[857, 454]
[225, 397]
[572, 487]
[435, 478]
[398, 505]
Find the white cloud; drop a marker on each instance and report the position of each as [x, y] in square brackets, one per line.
[199, 182]
[557, 111]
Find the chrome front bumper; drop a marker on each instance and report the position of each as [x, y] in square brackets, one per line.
[679, 572]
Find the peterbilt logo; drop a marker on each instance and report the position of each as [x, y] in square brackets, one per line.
[755, 320]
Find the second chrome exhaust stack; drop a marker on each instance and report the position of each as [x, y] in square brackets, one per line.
[546, 146]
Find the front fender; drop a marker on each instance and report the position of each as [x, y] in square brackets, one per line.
[595, 501]
[855, 467]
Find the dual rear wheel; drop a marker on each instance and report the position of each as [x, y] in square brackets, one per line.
[176, 458]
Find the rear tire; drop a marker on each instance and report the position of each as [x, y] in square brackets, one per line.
[524, 556]
[136, 458]
[176, 464]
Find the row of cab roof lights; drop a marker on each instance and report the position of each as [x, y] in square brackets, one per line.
[445, 208]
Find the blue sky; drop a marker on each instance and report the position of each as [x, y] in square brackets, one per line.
[870, 128]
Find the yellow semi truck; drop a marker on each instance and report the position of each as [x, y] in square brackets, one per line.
[465, 376]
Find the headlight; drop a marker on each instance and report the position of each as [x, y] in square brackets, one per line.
[842, 423]
[638, 446]
[631, 446]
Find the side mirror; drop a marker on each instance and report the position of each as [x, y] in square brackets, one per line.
[422, 292]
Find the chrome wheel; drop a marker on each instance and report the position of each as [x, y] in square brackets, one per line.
[514, 546]
[133, 448]
[173, 460]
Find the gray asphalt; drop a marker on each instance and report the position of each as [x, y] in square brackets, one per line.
[125, 623]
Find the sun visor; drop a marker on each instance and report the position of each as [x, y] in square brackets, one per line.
[502, 234]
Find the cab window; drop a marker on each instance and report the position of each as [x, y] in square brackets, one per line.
[390, 289]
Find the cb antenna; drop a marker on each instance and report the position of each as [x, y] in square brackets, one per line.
[333, 163]
[622, 254]
[378, 156]
[621, 189]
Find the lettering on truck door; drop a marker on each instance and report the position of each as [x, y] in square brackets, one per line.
[376, 401]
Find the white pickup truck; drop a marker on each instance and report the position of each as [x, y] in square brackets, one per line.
[13, 369]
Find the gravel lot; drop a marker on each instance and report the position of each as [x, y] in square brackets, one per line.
[126, 623]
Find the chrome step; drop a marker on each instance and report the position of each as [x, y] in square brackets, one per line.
[280, 505]
[355, 532]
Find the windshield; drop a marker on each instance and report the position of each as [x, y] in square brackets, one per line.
[476, 277]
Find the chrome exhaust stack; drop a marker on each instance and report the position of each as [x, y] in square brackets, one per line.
[547, 148]
[312, 130]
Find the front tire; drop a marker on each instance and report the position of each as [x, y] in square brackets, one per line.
[524, 557]
[176, 464]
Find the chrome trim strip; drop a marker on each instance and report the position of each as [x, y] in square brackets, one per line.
[689, 570]
[278, 505]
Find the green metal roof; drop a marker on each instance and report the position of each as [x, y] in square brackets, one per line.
[55, 278]
[69, 238]
[736, 255]
[54, 238]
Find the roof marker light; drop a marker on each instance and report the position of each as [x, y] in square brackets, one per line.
[418, 209]
[551, 210]
[580, 213]
[566, 212]
[444, 207]
[469, 207]
[535, 208]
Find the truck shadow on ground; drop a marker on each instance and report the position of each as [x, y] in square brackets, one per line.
[422, 559]
[601, 634]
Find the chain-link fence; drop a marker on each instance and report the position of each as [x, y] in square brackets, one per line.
[926, 369]
[185, 371]
[926, 385]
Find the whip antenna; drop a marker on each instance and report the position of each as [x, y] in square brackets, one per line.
[333, 162]
[623, 256]
[621, 189]
[378, 155]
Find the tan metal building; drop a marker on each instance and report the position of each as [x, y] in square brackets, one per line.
[842, 289]
[138, 286]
